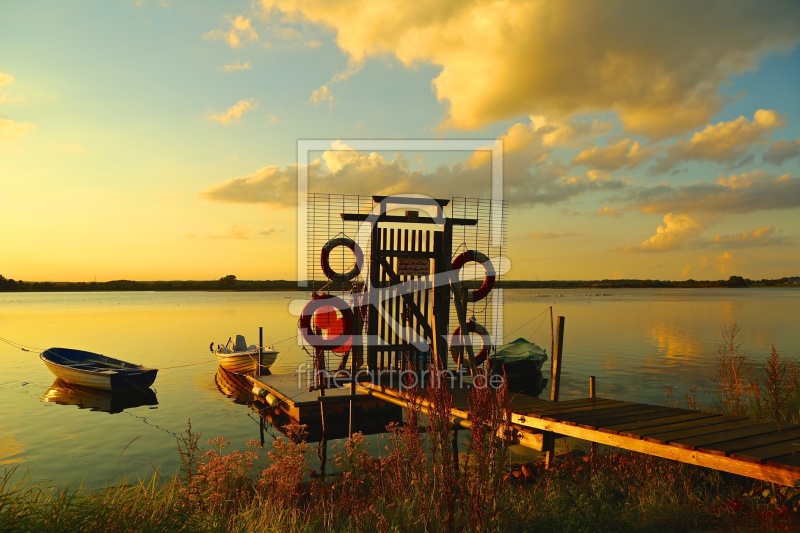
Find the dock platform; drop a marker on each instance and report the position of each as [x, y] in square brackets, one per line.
[289, 396]
[734, 444]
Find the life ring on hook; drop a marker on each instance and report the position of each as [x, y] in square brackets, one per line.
[457, 343]
[324, 259]
[488, 280]
[325, 305]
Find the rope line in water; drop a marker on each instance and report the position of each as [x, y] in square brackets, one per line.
[20, 346]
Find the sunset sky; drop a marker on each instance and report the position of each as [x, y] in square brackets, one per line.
[157, 139]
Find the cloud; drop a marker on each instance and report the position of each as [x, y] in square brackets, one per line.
[659, 65]
[234, 113]
[763, 236]
[10, 129]
[270, 231]
[240, 28]
[724, 141]
[232, 67]
[781, 151]
[270, 185]
[606, 211]
[233, 233]
[321, 95]
[738, 193]
[6, 79]
[346, 171]
[675, 233]
[624, 154]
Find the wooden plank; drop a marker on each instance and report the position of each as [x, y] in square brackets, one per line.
[761, 454]
[696, 427]
[570, 404]
[637, 432]
[564, 410]
[790, 462]
[766, 472]
[705, 440]
[765, 439]
[684, 439]
[602, 423]
[596, 419]
[654, 421]
[611, 416]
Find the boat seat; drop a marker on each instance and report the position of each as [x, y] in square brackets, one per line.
[240, 345]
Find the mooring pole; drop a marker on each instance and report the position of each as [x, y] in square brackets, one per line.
[260, 349]
[593, 446]
[555, 374]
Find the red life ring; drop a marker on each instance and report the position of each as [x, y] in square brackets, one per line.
[488, 280]
[319, 302]
[457, 343]
[324, 259]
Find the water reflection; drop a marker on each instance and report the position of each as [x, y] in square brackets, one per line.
[234, 386]
[673, 341]
[64, 393]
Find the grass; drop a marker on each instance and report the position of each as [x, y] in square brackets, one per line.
[418, 483]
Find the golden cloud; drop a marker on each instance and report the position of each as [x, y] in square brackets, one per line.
[231, 67]
[233, 113]
[6, 79]
[10, 129]
[502, 59]
[321, 95]
[763, 236]
[677, 230]
[240, 27]
[624, 154]
[737, 193]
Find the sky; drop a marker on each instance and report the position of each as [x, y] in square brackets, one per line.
[158, 139]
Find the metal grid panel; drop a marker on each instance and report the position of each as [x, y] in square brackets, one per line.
[489, 237]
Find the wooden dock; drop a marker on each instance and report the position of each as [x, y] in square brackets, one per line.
[291, 401]
[732, 444]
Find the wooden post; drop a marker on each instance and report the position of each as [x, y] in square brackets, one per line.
[555, 369]
[555, 374]
[593, 445]
[260, 350]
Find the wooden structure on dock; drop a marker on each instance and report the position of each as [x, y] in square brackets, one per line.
[412, 293]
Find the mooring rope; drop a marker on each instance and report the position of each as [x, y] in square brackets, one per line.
[20, 346]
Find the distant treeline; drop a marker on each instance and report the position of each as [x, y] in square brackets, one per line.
[230, 283]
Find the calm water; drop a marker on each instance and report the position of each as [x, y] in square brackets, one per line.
[636, 342]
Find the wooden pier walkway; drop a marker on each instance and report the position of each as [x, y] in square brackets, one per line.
[732, 444]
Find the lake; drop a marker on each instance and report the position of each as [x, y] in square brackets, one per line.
[635, 341]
